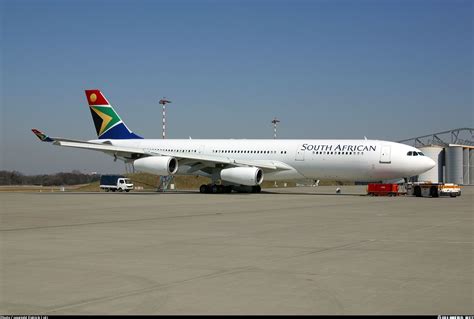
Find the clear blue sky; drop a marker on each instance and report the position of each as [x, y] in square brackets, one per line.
[327, 69]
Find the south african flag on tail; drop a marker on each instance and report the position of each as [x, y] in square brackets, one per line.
[108, 123]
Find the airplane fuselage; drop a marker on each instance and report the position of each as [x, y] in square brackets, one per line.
[349, 160]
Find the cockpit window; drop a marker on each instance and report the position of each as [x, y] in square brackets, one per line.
[413, 153]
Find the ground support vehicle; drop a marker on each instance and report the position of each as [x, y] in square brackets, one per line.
[115, 183]
[379, 189]
[427, 189]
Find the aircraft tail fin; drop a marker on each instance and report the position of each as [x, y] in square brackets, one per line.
[108, 123]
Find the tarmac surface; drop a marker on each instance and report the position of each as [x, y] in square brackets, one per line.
[292, 251]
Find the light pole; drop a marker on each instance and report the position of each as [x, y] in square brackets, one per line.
[164, 181]
[275, 122]
[163, 102]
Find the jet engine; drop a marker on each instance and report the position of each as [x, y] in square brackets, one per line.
[249, 176]
[158, 165]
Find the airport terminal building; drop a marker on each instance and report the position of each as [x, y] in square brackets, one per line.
[453, 152]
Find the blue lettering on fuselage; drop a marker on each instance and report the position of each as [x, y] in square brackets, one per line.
[338, 147]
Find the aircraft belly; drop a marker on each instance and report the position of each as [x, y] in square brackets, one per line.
[282, 175]
[330, 168]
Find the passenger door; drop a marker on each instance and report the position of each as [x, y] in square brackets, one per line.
[299, 156]
[201, 149]
[385, 156]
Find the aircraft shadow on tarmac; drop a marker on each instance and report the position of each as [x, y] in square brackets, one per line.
[197, 192]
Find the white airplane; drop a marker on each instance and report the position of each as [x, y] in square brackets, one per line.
[242, 165]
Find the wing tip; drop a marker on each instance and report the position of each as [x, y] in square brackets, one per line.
[42, 137]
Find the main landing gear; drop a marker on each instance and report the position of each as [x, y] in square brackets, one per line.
[219, 189]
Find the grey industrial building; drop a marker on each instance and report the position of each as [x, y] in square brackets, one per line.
[453, 152]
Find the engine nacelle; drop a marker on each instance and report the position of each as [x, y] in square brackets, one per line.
[249, 176]
[158, 165]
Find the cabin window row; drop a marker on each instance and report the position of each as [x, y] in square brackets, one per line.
[247, 152]
[171, 150]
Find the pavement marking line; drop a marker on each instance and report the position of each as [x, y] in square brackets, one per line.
[148, 289]
[427, 227]
[273, 210]
[108, 222]
[426, 241]
[362, 242]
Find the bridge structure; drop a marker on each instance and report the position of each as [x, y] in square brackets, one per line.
[453, 152]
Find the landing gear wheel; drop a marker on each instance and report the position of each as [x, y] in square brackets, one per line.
[215, 189]
[434, 192]
[256, 189]
[417, 191]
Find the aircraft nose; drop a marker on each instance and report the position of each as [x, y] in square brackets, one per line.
[429, 163]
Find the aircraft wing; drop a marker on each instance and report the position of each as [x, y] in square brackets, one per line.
[125, 152]
[116, 151]
[106, 147]
[45, 138]
[193, 159]
[196, 161]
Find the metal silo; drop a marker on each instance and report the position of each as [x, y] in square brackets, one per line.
[454, 161]
[465, 166]
[471, 166]
[435, 175]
